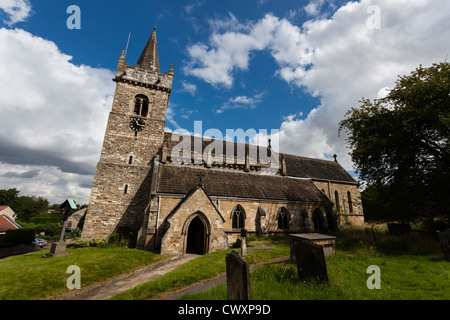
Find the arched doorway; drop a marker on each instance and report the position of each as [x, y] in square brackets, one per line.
[196, 237]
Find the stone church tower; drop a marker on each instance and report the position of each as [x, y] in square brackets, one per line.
[203, 203]
[134, 134]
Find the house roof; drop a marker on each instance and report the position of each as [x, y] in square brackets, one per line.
[296, 166]
[7, 224]
[3, 208]
[178, 179]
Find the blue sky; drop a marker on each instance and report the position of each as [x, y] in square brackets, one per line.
[291, 66]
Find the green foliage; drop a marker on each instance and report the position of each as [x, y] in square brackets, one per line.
[25, 207]
[7, 197]
[124, 237]
[19, 236]
[121, 237]
[51, 229]
[400, 146]
[44, 220]
[93, 243]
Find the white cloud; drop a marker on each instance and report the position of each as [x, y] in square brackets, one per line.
[242, 102]
[189, 87]
[313, 7]
[170, 116]
[53, 112]
[338, 59]
[17, 10]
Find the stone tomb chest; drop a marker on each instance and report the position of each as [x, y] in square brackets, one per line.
[327, 242]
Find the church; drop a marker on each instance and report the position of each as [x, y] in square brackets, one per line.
[184, 194]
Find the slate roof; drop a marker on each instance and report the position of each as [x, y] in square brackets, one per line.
[178, 179]
[296, 166]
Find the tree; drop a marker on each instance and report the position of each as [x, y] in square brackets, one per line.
[400, 145]
[7, 197]
[27, 207]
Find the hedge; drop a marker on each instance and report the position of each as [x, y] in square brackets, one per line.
[19, 236]
[44, 220]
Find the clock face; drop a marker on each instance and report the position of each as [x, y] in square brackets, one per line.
[137, 124]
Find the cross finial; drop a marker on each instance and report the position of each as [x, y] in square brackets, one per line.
[270, 140]
[335, 157]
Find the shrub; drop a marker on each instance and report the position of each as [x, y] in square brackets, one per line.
[123, 237]
[44, 220]
[96, 242]
[20, 236]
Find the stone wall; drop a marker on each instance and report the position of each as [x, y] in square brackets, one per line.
[121, 188]
[176, 225]
[349, 214]
[170, 224]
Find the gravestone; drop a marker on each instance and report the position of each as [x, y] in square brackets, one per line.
[243, 242]
[444, 239]
[238, 277]
[311, 263]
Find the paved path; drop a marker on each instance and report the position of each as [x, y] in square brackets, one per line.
[110, 288]
[209, 283]
[119, 284]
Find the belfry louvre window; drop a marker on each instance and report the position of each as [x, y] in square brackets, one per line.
[238, 218]
[141, 105]
[283, 219]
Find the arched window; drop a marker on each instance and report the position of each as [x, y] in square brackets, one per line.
[283, 219]
[336, 200]
[238, 218]
[318, 220]
[141, 105]
[350, 203]
[130, 160]
[125, 189]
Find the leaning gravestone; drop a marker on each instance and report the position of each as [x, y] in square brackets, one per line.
[238, 277]
[311, 263]
[444, 239]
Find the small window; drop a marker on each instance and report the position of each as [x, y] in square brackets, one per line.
[130, 160]
[125, 189]
[238, 218]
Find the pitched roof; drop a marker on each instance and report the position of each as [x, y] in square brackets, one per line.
[296, 166]
[3, 208]
[149, 58]
[178, 179]
[186, 198]
[7, 224]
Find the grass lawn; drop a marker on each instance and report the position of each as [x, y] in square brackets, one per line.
[29, 276]
[410, 269]
[205, 267]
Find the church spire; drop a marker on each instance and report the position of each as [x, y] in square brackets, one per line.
[149, 59]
